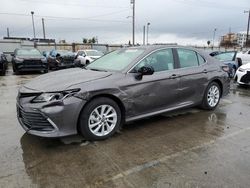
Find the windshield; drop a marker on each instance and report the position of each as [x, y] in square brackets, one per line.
[28, 52]
[227, 56]
[117, 60]
[94, 53]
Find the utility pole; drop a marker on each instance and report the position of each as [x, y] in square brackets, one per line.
[214, 35]
[34, 31]
[144, 28]
[247, 25]
[8, 32]
[44, 36]
[133, 23]
[148, 24]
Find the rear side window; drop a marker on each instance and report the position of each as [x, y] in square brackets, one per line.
[187, 58]
[201, 59]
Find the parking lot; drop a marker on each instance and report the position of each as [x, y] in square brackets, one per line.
[189, 148]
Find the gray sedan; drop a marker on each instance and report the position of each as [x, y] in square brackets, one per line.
[125, 85]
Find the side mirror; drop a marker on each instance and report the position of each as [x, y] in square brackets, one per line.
[144, 71]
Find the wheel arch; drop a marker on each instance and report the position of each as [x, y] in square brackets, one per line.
[110, 96]
[219, 82]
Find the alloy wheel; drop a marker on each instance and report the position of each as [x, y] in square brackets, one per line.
[102, 120]
[213, 96]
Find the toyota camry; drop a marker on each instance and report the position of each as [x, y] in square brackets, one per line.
[125, 85]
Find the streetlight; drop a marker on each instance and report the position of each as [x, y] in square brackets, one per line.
[133, 23]
[148, 24]
[144, 28]
[247, 25]
[214, 36]
[34, 31]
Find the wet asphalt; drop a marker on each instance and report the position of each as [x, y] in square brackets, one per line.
[188, 148]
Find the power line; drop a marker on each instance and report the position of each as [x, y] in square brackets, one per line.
[73, 4]
[71, 18]
[207, 4]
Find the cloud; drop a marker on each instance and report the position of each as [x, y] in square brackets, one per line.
[181, 21]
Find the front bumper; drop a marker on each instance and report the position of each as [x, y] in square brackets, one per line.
[243, 77]
[49, 120]
[31, 67]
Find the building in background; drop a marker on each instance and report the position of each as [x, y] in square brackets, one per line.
[234, 39]
[241, 38]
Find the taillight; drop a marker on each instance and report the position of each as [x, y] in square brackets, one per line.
[225, 68]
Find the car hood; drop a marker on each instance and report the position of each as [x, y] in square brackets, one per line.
[62, 80]
[245, 66]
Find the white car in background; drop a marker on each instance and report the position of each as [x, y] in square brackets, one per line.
[242, 75]
[244, 56]
[84, 57]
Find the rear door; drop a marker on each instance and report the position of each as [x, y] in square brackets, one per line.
[193, 72]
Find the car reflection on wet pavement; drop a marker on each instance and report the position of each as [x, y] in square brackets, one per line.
[188, 148]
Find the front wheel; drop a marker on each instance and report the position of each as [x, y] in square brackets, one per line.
[211, 97]
[100, 119]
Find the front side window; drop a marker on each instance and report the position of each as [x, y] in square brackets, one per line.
[187, 58]
[160, 61]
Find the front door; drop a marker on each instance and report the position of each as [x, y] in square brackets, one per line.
[152, 92]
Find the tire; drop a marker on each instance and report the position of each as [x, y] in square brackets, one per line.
[16, 72]
[211, 97]
[239, 62]
[95, 125]
[87, 62]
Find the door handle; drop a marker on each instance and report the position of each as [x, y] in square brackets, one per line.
[174, 76]
[205, 71]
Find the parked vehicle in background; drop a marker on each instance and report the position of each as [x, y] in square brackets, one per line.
[84, 57]
[242, 75]
[229, 58]
[29, 59]
[3, 64]
[45, 54]
[61, 59]
[244, 56]
[215, 53]
[125, 85]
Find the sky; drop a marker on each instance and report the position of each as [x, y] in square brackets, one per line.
[186, 22]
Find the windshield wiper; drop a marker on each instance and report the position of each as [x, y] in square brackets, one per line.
[101, 70]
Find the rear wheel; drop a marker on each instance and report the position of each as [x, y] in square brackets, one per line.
[100, 119]
[211, 97]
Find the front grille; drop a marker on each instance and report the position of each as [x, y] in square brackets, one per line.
[245, 78]
[32, 62]
[34, 120]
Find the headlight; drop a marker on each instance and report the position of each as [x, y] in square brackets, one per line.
[241, 70]
[55, 96]
[18, 60]
[44, 60]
